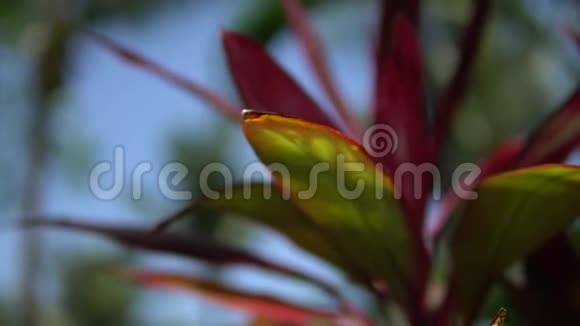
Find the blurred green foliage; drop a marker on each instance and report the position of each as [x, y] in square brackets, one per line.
[262, 19]
[197, 154]
[93, 296]
[6, 317]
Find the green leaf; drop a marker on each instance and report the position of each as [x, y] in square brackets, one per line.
[369, 229]
[265, 205]
[514, 214]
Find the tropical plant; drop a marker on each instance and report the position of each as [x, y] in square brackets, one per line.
[383, 244]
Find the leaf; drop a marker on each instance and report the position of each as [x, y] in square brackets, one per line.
[259, 305]
[193, 247]
[223, 105]
[371, 231]
[556, 138]
[515, 213]
[456, 90]
[389, 10]
[315, 55]
[264, 85]
[399, 105]
[270, 209]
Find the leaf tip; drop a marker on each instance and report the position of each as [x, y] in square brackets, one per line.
[250, 114]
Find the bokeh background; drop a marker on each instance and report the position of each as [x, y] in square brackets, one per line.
[66, 102]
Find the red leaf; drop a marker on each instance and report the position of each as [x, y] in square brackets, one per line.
[259, 305]
[390, 9]
[399, 104]
[556, 138]
[264, 85]
[194, 247]
[223, 105]
[457, 88]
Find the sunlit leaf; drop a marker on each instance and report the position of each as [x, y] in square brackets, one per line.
[369, 228]
[264, 85]
[259, 305]
[515, 213]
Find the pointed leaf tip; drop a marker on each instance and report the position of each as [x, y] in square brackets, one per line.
[250, 114]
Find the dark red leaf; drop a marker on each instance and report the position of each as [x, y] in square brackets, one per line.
[390, 9]
[556, 138]
[194, 247]
[455, 92]
[399, 105]
[264, 85]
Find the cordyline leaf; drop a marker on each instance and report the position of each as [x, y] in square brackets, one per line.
[265, 204]
[223, 105]
[194, 247]
[556, 138]
[316, 58]
[264, 85]
[515, 213]
[399, 105]
[259, 305]
[499, 159]
[456, 90]
[391, 9]
[371, 230]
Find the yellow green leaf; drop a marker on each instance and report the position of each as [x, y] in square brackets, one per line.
[343, 192]
[515, 212]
